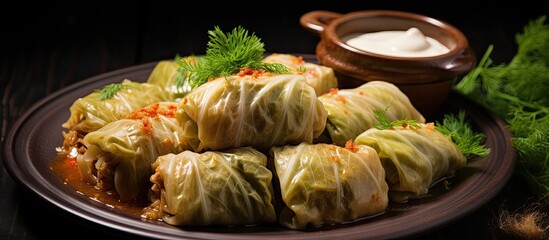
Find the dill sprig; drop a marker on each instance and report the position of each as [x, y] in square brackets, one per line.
[108, 91]
[457, 128]
[530, 131]
[521, 82]
[469, 142]
[385, 123]
[182, 73]
[517, 92]
[179, 78]
[226, 54]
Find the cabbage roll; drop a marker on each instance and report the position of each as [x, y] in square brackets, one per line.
[320, 77]
[413, 159]
[258, 111]
[119, 155]
[351, 111]
[324, 184]
[90, 113]
[230, 188]
[166, 74]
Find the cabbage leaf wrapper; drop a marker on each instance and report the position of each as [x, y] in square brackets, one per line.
[324, 184]
[165, 74]
[90, 113]
[351, 111]
[229, 188]
[119, 155]
[320, 77]
[257, 111]
[413, 159]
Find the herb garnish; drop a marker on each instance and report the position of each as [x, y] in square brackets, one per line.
[227, 54]
[460, 131]
[457, 128]
[182, 73]
[108, 91]
[518, 92]
[385, 123]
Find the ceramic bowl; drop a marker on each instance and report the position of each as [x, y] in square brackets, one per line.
[427, 81]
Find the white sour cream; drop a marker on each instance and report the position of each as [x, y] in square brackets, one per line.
[409, 43]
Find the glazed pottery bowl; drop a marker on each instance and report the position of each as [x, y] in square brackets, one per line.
[426, 80]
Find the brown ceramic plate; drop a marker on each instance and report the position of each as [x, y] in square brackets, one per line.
[30, 147]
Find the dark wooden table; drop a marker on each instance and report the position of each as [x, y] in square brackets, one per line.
[44, 48]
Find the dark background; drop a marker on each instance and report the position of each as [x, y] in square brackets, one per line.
[101, 38]
[45, 47]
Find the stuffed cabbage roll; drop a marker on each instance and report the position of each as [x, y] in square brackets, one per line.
[413, 158]
[232, 187]
[119, 155]
[166, 74]
[327, 184]
[92, 112]
[320, 77]
[351, 111]
[258, 111]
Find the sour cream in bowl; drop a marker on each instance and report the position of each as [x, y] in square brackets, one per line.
[423, 56]
[409, 43]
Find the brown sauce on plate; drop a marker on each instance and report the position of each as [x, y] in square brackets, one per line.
[66, 168]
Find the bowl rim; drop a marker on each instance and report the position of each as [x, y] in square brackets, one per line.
[329, 32]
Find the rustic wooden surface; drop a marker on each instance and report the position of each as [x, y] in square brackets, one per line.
[44, 48]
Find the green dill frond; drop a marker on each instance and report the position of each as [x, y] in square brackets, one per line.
[529, 83]
[180, 77]
[469, 82]
[234, 50]
[523, 120]
[385, 123]
[226, 54]
[533, 157]
[108, 91]
[518, 93]
[183, 73]
[533, 42]
[461, 132]
[523, 81]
